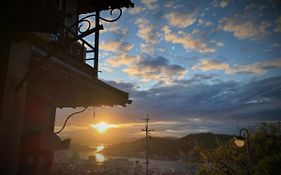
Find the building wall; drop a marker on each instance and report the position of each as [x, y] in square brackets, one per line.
[5, 45]
[38, 123]
[13, 105]
[71, 8]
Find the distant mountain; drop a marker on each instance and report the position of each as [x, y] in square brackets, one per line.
[187, 147]
[157, 145]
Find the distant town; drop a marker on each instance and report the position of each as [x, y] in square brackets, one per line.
[168, 156]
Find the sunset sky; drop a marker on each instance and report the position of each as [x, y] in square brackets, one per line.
[192, 65]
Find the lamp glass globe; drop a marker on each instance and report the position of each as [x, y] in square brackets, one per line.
[239, 142]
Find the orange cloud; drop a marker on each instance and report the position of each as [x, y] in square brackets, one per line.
[256, 68]
[156, 69]
[244, 28]
[122, 59]
[180, 19]
[116, 46]
[186, 40]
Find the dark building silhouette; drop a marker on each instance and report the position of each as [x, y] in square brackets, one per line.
[43, 67]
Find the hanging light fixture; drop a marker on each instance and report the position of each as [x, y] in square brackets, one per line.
[241, 140]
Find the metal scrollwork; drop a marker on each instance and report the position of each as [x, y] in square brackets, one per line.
[86, 22]
[244, 133]
[111, 13]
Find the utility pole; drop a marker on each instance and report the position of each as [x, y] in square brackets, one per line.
[147, 132]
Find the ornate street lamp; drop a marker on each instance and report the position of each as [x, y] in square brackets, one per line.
[241, 140]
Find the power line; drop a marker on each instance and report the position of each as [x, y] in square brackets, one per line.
[147, 133]
[264, 92]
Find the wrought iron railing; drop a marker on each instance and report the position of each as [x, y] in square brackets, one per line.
[67, 36]
[85, 28]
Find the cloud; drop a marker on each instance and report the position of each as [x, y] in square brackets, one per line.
[153, 124]
[217, 43]
[187, 41]
[215, 107]
[204, 22]
[276, 45]
[195, 79]
[278, 24]
[116, 30]
[116, 46]
[148, 32]
[222, 3]
[219, 100]
[157, 69]
[122, 59]
[256, 68]
[149, 69]
[169, 3]
[245, 27]
[197, 106]
[135, 10]
[71, 128]
[150, 4]
[181, 19]
[147, 48]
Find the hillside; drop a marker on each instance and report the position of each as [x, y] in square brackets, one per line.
[157, 145]
[169, 148]
[191, 144]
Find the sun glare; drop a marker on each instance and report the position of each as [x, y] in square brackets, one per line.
[102, 127]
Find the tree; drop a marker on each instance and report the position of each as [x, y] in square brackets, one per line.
[264, 149]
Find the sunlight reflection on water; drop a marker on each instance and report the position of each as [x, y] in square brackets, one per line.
[100, 158]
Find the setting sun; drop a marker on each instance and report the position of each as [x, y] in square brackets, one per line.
[102, 127]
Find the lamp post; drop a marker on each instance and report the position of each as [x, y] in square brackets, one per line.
[241, 140]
